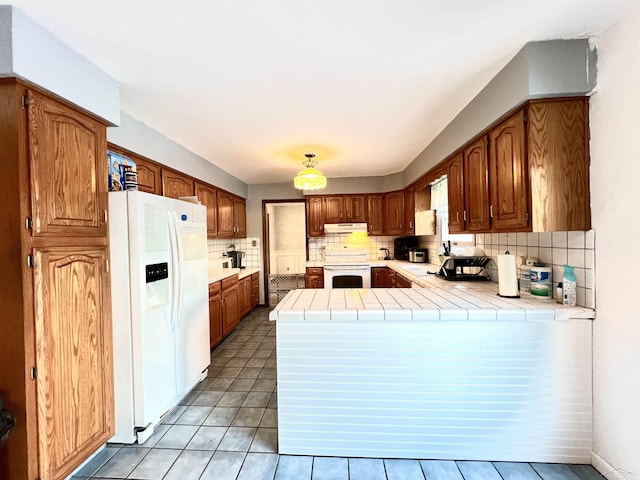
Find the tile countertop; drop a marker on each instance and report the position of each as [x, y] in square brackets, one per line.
[217, 274]
[437, 299]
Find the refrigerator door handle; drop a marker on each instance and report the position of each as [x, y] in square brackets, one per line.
[174, 270]
[180, 280]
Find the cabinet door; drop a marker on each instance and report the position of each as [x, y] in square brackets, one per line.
[226, 218]
[315, 216]
[230, 314]
[409, 211]
[455, 191]
[149, 177]
[73, 356]
[355, 207]
[476, 186]
[175, 184]
[334, 207]
[215, 314]
[255, 290]
[246, 301]
[558, 147]
[314, 277]
[402, 282]
[379, 277]
[209, 198]
[508, 174]
[67, 163]
[240, 217]
[375, 215]
[394, 209]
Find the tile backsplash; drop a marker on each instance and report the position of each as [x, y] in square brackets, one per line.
[555, 249]
[251, 247]
[374, 244]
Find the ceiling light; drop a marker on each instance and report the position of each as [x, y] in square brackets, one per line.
[310, 178]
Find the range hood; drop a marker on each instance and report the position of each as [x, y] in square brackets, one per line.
[345, 227]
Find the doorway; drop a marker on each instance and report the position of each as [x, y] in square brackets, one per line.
[285, 244]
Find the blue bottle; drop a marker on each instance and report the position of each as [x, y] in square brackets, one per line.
[568, 286]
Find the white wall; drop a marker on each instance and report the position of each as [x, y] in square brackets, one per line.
[30, 52]
[615, 197]
[144, 140]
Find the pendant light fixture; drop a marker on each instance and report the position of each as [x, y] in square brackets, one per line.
[310, 178]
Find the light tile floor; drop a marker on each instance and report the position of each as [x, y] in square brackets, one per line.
[226, 429]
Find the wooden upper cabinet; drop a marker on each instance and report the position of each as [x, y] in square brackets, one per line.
[508, 175]
[375, 214]
[394, 210]
[240, 217]
[334, 209]
[176, 184]
[355, 207]
[409, 211]
[476, 186]
[67, 163]
[558, 146]
[315, 216]
[455, 191]
[149, 176]
[73, 341]
[209, 198]
[226, 218]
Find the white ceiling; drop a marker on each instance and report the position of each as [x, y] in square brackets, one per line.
[253, 85]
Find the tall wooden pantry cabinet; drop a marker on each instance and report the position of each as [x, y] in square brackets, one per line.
[56, 371]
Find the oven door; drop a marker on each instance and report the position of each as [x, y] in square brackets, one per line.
[347, 276]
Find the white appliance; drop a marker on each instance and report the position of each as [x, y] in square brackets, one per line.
[160, 307]
[346, 266]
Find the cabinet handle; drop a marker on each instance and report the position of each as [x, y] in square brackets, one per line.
[491, 211]
[106, 216]
[457, 216]
[464, 215]
[411, 224]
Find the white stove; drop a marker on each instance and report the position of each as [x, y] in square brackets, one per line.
[346, 266]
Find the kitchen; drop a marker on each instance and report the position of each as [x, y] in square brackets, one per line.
[615, 332]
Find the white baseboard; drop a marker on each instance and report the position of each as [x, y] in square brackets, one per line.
[605, 469]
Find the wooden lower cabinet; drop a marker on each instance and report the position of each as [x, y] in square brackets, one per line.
[215, 314]
[74, 362]
[255, 290]
[402, 282]
[314, 277]
[230, 303]
[378, 277]
[245, 296]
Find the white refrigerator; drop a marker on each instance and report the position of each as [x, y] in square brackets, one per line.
[160, 307]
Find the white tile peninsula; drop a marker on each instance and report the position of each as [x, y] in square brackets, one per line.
[448, 371]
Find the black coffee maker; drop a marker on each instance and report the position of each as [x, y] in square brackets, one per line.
[236, 258]
[401, 246]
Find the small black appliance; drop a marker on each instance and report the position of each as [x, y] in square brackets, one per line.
[401, 246]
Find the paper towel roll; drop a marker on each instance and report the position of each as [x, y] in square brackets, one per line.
[507, 276]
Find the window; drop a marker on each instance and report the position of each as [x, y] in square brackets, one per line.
[440, 203]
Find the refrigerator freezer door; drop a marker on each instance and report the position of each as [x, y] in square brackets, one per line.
[153, 335]
[192, 324]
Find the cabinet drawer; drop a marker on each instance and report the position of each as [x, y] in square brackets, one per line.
[229, 282]
[214, 289]
[315, 271]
